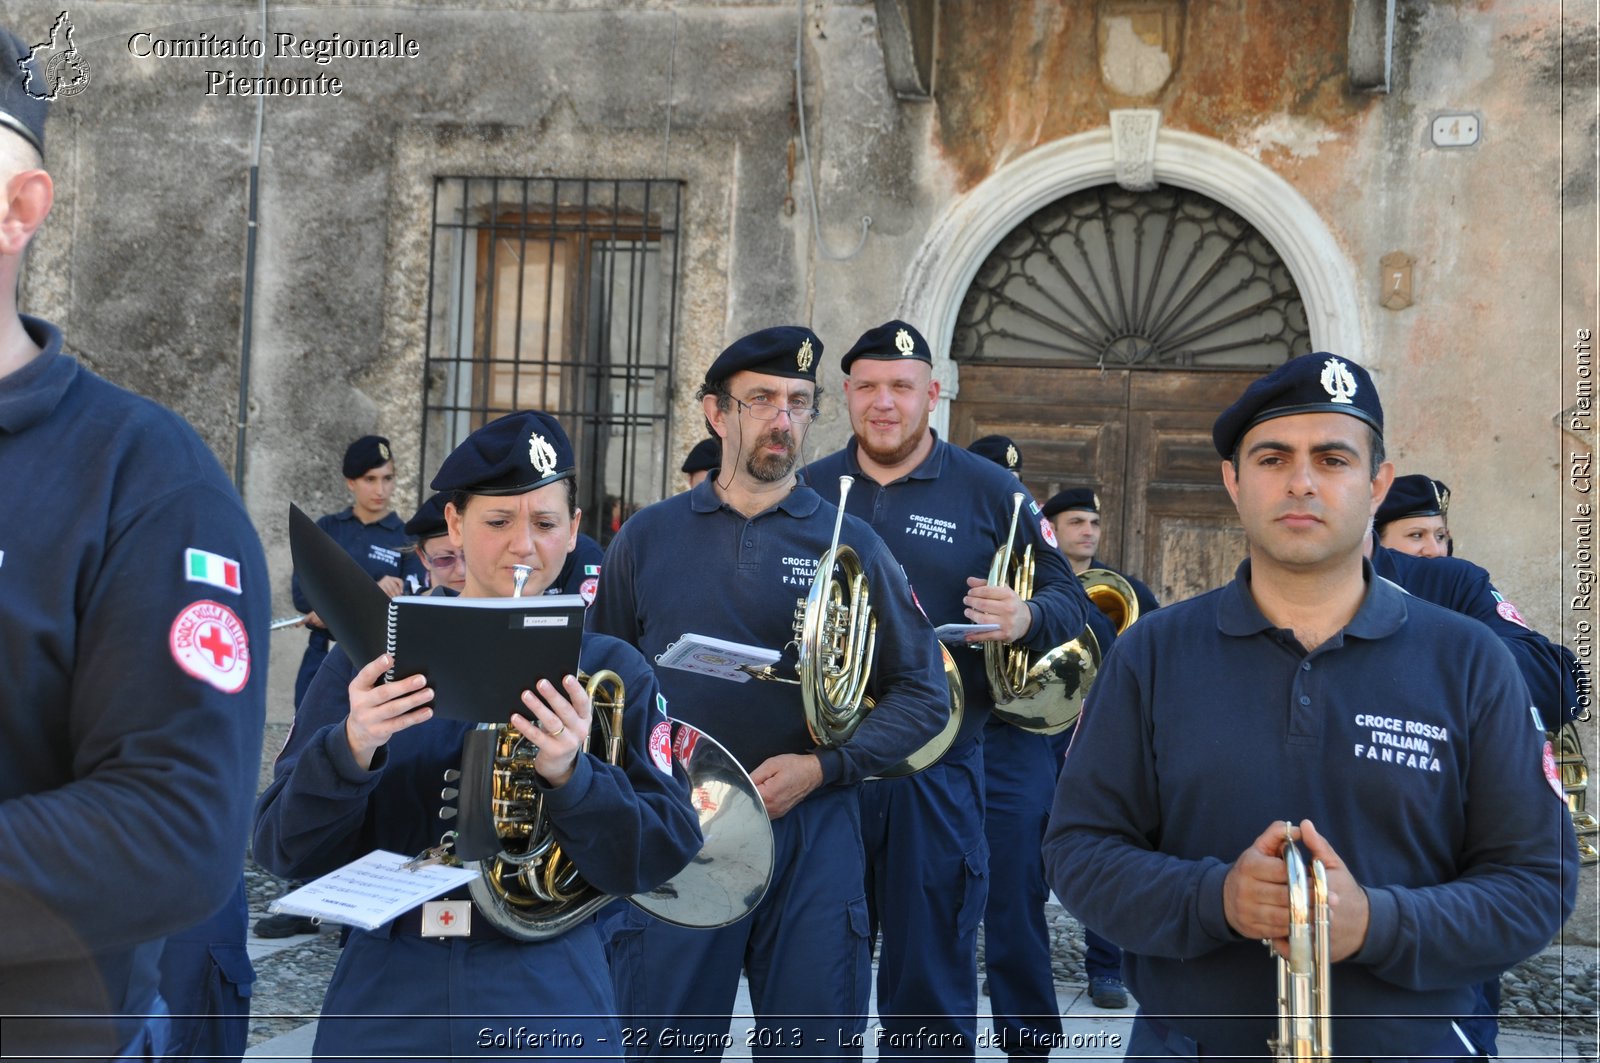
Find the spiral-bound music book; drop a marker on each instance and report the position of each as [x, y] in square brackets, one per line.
[480, 654]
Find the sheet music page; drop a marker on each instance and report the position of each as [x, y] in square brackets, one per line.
[713, 656]
[371, 891]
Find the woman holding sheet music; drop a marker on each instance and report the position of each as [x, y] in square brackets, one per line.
[362, 770]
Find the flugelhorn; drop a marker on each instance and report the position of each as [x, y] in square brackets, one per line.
[1042, 693]
[835, 635]
[1305, 1027]
[530, 890]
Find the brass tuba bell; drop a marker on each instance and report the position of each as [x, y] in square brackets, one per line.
[1113, 595]
[530, 890]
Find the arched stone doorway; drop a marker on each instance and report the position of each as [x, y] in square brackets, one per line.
[1040, 291]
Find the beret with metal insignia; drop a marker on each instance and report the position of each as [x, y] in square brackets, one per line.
[1311, 383]
[513, 455]
[1072, 498]
[890, 341]
[364, 454]
[998, 449]
[428, 521]
[20, 112]
[706, 455]
[783, 350]
[1413, 496]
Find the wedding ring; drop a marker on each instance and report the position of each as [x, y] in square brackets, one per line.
[558, 730]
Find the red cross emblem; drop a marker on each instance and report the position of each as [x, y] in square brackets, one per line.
[216, 642]
[446, 917]
[208, 641]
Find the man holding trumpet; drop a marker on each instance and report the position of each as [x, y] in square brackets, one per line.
[1279, 697]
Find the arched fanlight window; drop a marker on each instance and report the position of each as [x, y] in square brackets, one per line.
[1164, 279]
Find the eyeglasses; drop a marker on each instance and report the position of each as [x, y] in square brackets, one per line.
[766, 411]
[442, 560]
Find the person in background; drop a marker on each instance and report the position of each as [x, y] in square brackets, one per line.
[1000, 450]
[133, 590]
[372, 534]
[362, 769]
[702, 460]
[1434, 803]
[1414, 517]
[441, 561]
[1075, 515]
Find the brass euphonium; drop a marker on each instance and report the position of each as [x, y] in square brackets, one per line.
[1038, 692]
[530, 890]
[1305, 1026]
[835, 636]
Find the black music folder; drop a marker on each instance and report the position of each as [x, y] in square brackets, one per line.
[343, 595]
[480, 654]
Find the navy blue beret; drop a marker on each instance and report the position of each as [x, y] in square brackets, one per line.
[1311, 383]
[890, 341]
[20, 111]
[1072, 498]
[998, 449]
[1413, 496]
[706, 455]
[513, 455]
[428, 521]
[366, 453]
[784, 350]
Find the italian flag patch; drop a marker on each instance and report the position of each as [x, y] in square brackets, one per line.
[199, 566]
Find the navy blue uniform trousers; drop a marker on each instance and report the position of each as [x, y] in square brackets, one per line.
[927, 882]
[804, 950]
[1020, 782]
[206, 979]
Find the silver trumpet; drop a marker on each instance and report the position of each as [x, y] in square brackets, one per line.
[1305, 1029]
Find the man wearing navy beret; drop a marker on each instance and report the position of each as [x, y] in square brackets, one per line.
[945, 512]
[1268, 709]
[730, 559]
[134, 602]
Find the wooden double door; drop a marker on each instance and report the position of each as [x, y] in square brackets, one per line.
[1142, 439]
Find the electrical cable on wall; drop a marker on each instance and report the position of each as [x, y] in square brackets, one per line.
[805, 150]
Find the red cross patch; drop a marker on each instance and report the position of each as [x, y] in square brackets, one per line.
[661, 746]
[1509, 612]
[684, 742]
[587, 589]
[1552, 773]
[1048, 530]
[208, 642]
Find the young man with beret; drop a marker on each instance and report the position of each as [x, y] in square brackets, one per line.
[133, 592]
[1413, 517]
[730, 559]
[945, 512]
[429, 533]
[1432, 803]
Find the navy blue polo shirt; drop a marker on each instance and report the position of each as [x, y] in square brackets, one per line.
[1407, 738]
[693, 564]
[134, 614]
[381, 548]
[943, 522]
[1551, 670]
